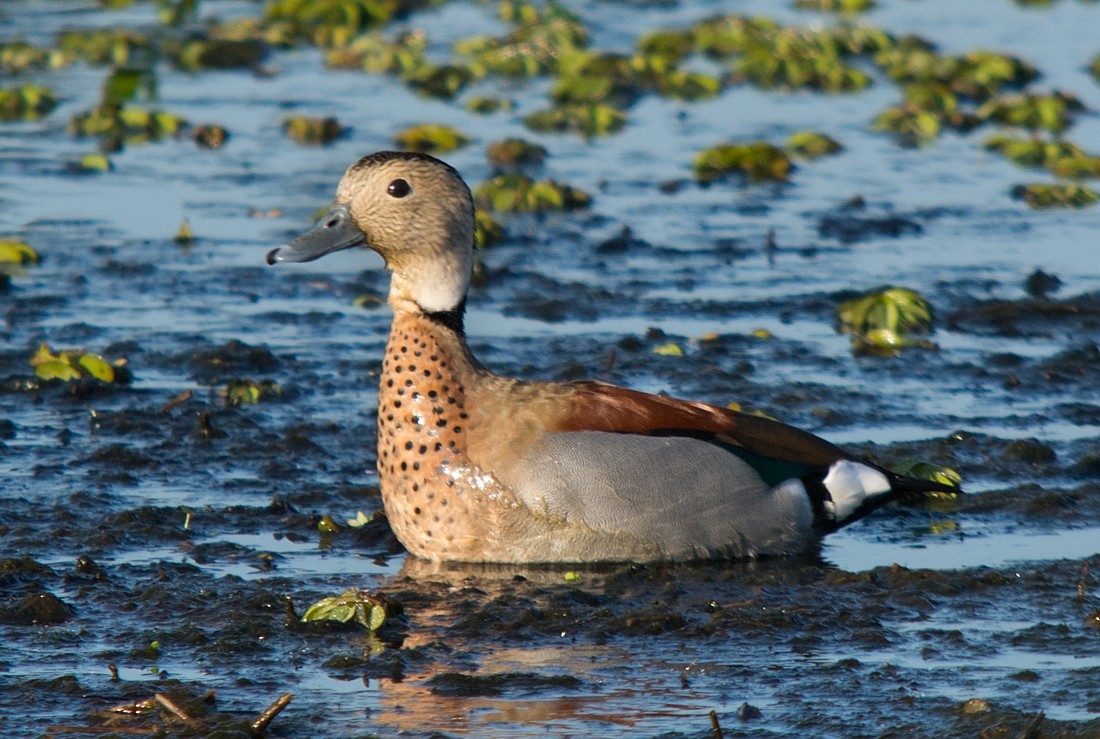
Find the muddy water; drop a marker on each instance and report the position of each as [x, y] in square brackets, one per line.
[164, 540]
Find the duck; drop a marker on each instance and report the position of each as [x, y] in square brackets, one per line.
[477, 467]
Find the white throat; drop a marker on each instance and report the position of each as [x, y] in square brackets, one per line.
[436, 285]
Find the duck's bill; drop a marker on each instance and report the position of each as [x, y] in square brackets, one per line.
[335, 231]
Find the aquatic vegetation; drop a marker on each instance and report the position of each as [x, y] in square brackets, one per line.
[758, 161]
[896, 309]
[670, 349]
[926, 471]
[184, 235]
[1053, 112]
[486, 104]
[16, 253]
[836, 6]
[882, 321]
[116, 47]
[1094, 67]
[1060, 157]
[309, 130]
[1056, 196]
[372, 53]
[26, 103]
[590, 120]
[487, 230]
[353, 605]
[115, 125]
[68, 366]
[800, 58]
[17, 57]
[977, 75]
[212, 53]
[515, 154]
[209, 136]
[442, 81]
[910, 124]
[811, 145]
[89, 163]
[533, 48]
[518, 193]
[240, 392]
[335, 22]
[431, 138]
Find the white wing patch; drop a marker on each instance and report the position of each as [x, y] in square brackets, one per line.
[849, 484]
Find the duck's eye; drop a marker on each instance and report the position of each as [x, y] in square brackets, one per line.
[399, 188]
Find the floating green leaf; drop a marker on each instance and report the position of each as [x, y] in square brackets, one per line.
[442, 81]
[248, 392]
[488, 104]
[517, 193]
[836, 6]
[432, 138]
[1053, 112]
[589, 120]
[210, 136]
[811, 145]
[68, 366]
[27, 102]
[668, 350]
[1060, 157]
[515, 154]
[307, 130]
[1056, 196]
[94, 163]
[17, 252]
[200, 54]
[115, 125]
[184, 235]
[759, 161]
[897, 310]
[360, 606]
[926, 471]
[120, 48]
[97, 367]
[18, 56]
[909, 124]
[361, 519]
[487, 230]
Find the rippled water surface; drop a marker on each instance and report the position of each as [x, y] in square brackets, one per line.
[164, 539]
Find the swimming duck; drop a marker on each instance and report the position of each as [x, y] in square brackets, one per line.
[476, 467]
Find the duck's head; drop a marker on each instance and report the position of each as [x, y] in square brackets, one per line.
[415, 211]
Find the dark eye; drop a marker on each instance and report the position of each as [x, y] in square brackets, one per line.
[399, 188]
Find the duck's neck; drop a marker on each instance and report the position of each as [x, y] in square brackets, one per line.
[422, 428]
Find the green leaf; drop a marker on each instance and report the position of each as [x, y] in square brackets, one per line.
[431, 138]
[56, 369]
[14, 251]
[97, 367]
[669, 350]
[811, 145]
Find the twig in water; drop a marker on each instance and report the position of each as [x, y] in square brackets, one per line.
[715, 726]
[175, 710]
[259, 726]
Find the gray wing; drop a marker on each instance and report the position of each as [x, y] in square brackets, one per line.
[682, 497]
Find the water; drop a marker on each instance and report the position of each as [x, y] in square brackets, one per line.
[202, 518]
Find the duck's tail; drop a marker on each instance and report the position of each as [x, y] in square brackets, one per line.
[851, 489]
